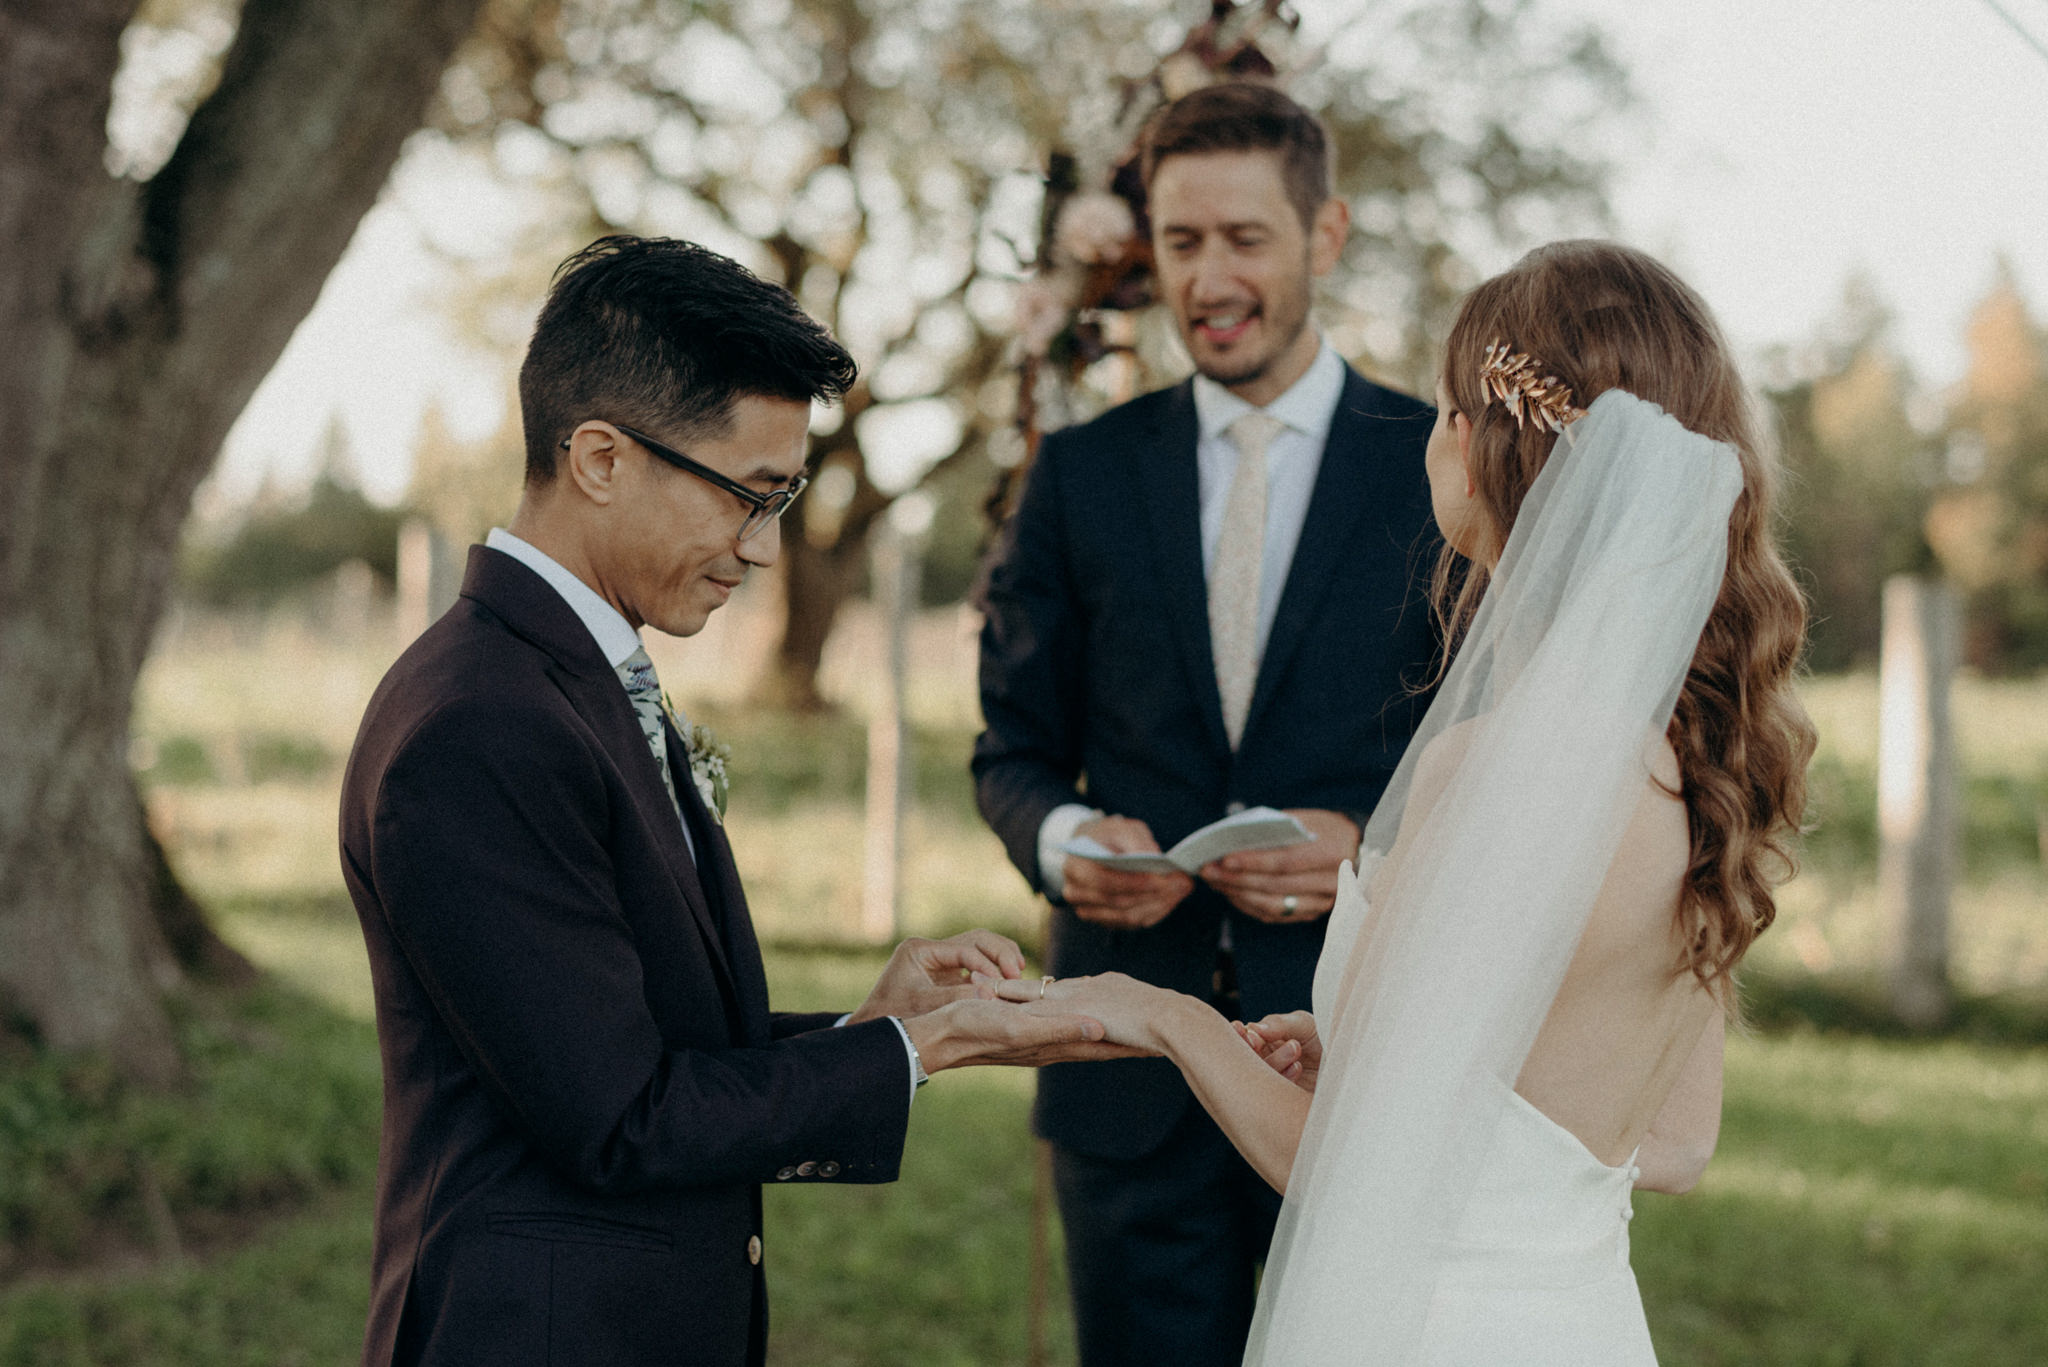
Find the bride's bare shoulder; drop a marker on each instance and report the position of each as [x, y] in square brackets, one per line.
[1649, 867]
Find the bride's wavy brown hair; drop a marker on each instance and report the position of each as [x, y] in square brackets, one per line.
[1601, 316]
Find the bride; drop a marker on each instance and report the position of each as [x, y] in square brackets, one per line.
[1520, 1008]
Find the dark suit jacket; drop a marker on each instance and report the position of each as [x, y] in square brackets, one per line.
[583, 1083]
[1097, 678]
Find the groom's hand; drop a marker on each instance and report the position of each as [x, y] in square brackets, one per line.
[924, 975]
[1118, 898]
[1259, 882]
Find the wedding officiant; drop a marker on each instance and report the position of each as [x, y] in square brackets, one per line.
[1208, 599]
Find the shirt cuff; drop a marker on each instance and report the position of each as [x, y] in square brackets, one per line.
[1056, 830]
[917, 1073]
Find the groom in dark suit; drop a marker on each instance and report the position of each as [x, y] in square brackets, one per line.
[1207, 600]
[584, 1086]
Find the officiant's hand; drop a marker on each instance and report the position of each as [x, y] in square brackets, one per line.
[984, 1031]
[1289, 1045]
[1297, 883]
[924, 975]
[1119, 898]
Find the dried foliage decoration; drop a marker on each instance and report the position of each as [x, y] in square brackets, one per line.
[1518, 381]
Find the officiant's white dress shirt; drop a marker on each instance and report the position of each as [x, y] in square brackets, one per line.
[1293, 459]
[617, 640]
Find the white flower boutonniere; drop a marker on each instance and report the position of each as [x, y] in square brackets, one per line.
[708, 758]
[707, 769]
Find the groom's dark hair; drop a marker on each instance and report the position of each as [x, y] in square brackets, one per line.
[663, 335]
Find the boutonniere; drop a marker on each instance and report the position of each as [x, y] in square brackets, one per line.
[708, 758]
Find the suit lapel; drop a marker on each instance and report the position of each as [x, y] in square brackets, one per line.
[719, 875]
[1338, 506]
[604, 704]
[1171, 496]
[531, 608]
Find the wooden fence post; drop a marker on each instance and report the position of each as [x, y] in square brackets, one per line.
[429, 578]
[1916, 793]
[893, 574]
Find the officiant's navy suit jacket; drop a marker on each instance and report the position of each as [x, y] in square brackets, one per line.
[1098, 685]
[584, 1086]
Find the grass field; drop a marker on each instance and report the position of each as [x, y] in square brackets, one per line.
[1875, 1201]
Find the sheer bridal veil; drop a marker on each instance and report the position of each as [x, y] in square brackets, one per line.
[1482, 862]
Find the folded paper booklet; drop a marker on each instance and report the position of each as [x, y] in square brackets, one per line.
[1255, 828]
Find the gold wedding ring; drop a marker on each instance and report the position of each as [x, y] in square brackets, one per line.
[1044, 983]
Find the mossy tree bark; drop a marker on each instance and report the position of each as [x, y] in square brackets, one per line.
[139, 317]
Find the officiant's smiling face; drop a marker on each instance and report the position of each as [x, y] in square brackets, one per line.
[1236, 263]
[666, 548]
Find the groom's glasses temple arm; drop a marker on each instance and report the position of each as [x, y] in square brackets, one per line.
[762, 509]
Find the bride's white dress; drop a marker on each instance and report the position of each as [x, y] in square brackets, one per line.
[1434, 1218]
[1537, 1271]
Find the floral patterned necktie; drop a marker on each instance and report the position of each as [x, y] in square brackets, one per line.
[637, 674]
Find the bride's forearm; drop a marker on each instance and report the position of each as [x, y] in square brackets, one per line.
[1259, 1111]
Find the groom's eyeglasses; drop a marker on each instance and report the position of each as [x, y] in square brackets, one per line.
[762, 509]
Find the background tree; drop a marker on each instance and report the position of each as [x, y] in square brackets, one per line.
[1991, 531]
[144, 294]
[884, 158]
[283, 546]
[1859, 475]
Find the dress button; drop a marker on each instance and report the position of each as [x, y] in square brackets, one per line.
[785, 1174]
[806, 1169]
[754, 1249]
[828, 1169]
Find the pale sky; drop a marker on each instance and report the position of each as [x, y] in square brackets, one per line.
[1778, 146]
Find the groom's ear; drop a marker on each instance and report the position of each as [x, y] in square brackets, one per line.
[592, 461]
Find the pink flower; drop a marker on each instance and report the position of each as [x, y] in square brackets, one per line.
[1042, 313]
[1094, 228]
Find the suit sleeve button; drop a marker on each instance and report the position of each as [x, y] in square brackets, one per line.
[754, 1249]
[785, 1174]
[806, 1169]
[828, 1169]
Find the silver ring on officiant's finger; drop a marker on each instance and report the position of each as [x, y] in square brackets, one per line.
[1044, 983]
[1289, 904]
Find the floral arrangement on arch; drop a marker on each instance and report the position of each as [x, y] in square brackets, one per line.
[1094, 258]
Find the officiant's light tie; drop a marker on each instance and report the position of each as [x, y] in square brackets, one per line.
[1234, 579]
[637, 674]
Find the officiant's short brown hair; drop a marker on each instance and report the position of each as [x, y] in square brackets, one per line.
[1246, 116]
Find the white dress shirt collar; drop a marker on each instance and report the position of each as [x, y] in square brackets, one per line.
[614, 635]
[1307, 407]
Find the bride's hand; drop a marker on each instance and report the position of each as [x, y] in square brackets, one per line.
[1130, 1011]
[1289, 1045]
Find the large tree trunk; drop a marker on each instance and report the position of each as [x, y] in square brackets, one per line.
[140, 318]
[816, 579]
[815, 583]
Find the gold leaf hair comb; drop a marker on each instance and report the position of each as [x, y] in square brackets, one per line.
[1518, 381]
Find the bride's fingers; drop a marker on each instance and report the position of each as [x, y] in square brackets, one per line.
[1029, 989]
